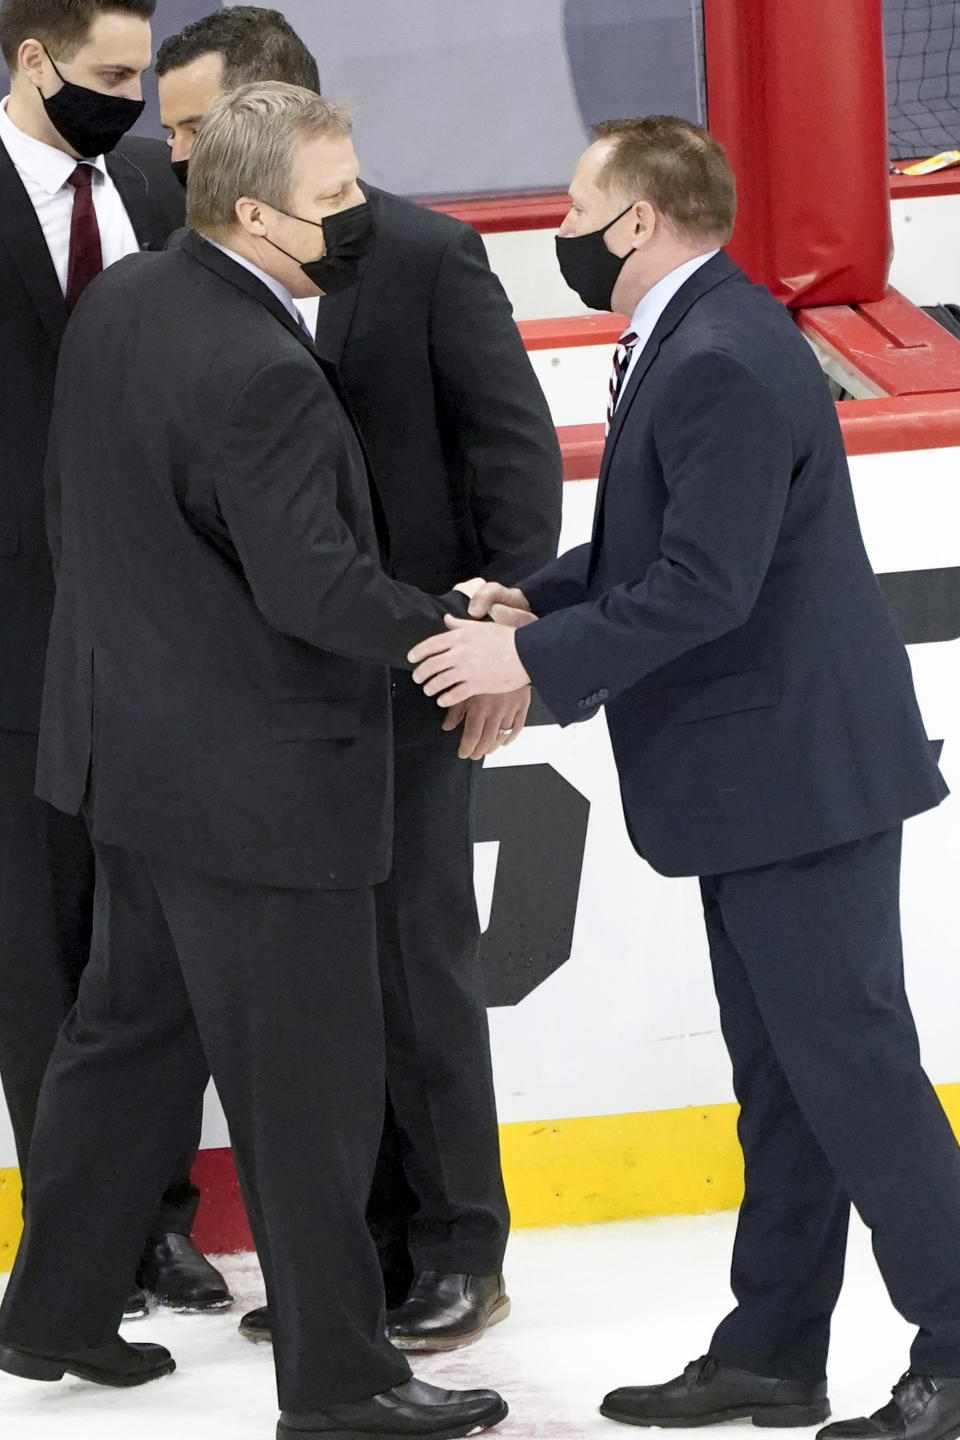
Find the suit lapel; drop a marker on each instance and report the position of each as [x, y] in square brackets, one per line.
[234, 274]
[246, 281]
[134, 189]
[22, 235]
[700, 283]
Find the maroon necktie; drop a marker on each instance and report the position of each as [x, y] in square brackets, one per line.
[86, 256]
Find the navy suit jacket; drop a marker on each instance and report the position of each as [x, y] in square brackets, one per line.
[759, 700]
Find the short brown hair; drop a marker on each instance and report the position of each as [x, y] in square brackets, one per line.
[245, 147]
[61, 25]
[678, 167]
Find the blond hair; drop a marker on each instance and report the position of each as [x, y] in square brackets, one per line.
[245, 148]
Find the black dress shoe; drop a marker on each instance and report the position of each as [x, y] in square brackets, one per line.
[707, 1393]
[136, 1306]
[181, 1278]
[923, 1408]
[116, 1363]
[412, 1411]
[257, 1325]
[444, 1312]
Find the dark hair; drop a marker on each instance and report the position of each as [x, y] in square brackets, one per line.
[61, 25]
[256, 45]
[675, 165]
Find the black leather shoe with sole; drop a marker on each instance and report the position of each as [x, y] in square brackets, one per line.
[412, 1411]
[257, 1325]
[182, 1279]
[445, 1311]
[136, 1306]
[708, 1393]
[924, 1407]
[116, 1363]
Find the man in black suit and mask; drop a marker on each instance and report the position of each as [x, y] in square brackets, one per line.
[75, 196]
[467, 467]
[217, 701]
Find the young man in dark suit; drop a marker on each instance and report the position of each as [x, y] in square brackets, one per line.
[217, 702]
[75, 196]
[767, 736]
[468, 469]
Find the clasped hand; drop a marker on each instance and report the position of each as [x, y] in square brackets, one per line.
[474, 671]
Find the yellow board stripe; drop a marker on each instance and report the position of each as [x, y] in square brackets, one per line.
[585, 1171]
[10, 1223]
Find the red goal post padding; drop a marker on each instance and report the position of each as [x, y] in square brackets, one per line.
[796, 93]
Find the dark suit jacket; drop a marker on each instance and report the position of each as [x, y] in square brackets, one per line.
[33, 315]
[460, 437]
[759, 700]
[222, 623]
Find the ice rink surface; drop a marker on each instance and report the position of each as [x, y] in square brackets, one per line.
[593, 1308]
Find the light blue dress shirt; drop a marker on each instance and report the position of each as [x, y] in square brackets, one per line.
[653, 304]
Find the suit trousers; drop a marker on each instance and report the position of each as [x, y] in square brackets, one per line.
[277, 991]
[46, 910]
[835, 1108]
[438, 1201]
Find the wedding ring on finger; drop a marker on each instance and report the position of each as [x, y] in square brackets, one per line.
[506, 732]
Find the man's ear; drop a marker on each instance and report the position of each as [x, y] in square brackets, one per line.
[30, 61]
[644, 219]
[250, 215]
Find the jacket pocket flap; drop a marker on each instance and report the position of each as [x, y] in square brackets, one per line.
[314, 719]
[726, 695]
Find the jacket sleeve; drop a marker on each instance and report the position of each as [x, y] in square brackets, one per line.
[560, 584]
[284, 459]
[726, 454]
[497, 412]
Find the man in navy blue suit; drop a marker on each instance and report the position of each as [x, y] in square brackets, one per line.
[768, 740]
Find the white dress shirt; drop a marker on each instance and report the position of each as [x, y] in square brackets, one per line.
[653, 304]
[310, 310]
[45, 172]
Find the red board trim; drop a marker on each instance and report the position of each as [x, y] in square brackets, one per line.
[567, 331]
[221, 1226]
[870, 427]
[915, 187]
[910, 422]
[493, 214]
[545, 209]
[892, 343]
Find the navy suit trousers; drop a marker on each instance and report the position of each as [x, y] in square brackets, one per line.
[835, 1109]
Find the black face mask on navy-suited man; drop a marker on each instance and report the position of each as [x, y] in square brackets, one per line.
[589, 268]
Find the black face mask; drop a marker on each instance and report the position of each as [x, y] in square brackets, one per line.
[181, 168]
[349, 238]
[91, 123]
[589, 267]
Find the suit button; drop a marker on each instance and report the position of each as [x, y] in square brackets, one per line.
[603, 694]
[583, 704]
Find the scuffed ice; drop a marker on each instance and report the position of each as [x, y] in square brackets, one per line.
[593, 1308]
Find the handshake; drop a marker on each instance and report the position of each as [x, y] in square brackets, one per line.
[474, 671]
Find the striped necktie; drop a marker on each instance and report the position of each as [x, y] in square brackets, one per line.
[621, 360]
